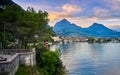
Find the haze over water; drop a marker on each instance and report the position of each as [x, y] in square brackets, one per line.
[91, 58]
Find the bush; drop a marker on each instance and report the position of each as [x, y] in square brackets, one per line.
[49, 62]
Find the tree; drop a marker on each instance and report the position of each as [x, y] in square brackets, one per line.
[18, 25]
[32, 24]
[49, 62]
[91, 39]
[8, 19]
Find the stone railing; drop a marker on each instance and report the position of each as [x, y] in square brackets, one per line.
[14, 58]
[10, 66]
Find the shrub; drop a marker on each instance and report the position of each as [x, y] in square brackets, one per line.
[49, 62]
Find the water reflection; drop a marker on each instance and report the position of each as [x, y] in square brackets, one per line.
[91, 59]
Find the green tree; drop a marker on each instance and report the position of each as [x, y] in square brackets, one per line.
[8, 19]
[91, 39]
[31, 24]
[49, 62]
[18, 25]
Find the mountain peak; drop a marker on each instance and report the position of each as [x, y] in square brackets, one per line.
[64, 20]
[97, 25]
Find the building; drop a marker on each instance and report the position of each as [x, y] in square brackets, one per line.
[56, 39]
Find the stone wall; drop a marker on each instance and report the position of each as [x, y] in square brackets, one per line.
[16, 57]
[10, 66]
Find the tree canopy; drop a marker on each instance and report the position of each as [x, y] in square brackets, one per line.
[19, 27]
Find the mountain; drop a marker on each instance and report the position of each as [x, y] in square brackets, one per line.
[99, 30]
[5, 3]
[65, 28]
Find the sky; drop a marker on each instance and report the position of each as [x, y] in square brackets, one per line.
[81, 12]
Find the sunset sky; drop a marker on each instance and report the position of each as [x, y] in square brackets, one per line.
[80, 12]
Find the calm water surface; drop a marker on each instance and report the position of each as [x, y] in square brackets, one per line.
[91, 58]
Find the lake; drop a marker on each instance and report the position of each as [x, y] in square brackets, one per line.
[91, 58]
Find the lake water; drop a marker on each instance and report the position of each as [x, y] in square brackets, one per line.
[91, 58]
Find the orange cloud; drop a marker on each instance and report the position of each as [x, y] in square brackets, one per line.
[68, 11]
[71, 8]
[93, 18]
[57, 15]
[80, 21]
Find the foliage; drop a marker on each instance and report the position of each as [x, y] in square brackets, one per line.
[49, 62]
[98, 40]
[91, 39]
[20, 26]
[18, 29]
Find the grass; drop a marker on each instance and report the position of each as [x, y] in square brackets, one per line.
[26, 70]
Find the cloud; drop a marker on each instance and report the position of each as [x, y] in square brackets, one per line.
[71, 8]
[101, 12]
[114, 4]
[36, 6]
[105, 14]
[81, 21]
[116, 0]
[93, 18]
[57, 15]
[81, 12]
[67, 11]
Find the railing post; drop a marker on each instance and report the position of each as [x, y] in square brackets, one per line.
[0, 45]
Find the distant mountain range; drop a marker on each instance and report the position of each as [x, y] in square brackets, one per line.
[65, 28]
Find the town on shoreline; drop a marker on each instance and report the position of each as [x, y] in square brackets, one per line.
[64, 39]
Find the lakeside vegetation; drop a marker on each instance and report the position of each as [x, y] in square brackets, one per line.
[102, 40]
[27, 70]
[27, 29]
[19, 28]
[49, 62]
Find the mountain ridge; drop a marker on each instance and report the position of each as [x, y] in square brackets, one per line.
[66, 28]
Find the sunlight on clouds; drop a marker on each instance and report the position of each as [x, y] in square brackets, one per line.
[93, 18]
[57, 15]
[71, 8]
[81, 21]
[67, 12]
[80, 12]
